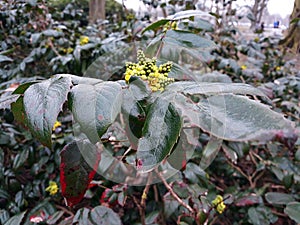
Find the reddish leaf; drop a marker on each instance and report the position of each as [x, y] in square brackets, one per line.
[79, 162]
[248, 200]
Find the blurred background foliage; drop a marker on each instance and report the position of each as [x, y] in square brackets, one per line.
[259, 182]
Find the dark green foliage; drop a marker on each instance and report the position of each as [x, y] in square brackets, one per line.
[245, 151]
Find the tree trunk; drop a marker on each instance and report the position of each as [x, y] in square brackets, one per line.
[257, 10]
[292, 39]
[96, 10]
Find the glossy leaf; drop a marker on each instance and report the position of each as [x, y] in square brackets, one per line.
[17, 107]
[15, 220]
[292, 210]
[210, 152]
[202, 24]
[55, 217]
[177, 43]
[188, 13]
[19, 111]
[104, 216]
[4, 58]
[208, 88]
[79, 162]
[99, 215]
[230, 153]
[5, 102]
[42, 103]
[278, 198]
[156, 25]
[233, 117]
[95, 107]
[23, 87]
[261, 216]
[160, 133]
[81, 80]
[43, 210]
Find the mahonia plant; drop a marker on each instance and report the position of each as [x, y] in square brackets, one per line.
[147, 70]
[218, 204]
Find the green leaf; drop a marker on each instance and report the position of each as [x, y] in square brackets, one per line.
[4, 58]
[202, 24]
[15, 220]
[156, 25]
[4, 216]
[138, 88]
[208, 88]
[43, 209]
[81, 80]
[160, 133]
[210, 152]
[42, 103]
[278, 198]
[292, 210]
[215, 77]
[231, 154]
[234, 117]
[180, 41]
[20, 158]
[19, 111]
[188, 13]
[134, 116]
[23, 87]
[6, 101]
[55, 217]
[193, 173]
[99, 215]
[104, 216]
[261, 216]
[52, 33]
[176, 44]
[81, 217]
[95, 107]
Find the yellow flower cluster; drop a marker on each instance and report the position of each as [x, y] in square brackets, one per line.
[218, 204]
[68, 50]
[170, 25]
[84, 40]
[147, 70]
[56, 125]
[243, 67]
[52, 188]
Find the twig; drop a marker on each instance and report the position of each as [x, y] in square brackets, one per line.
[249, 178]
[65, 210]
[173, 193]
[155, 193]
[125, 153]
[161, 212]
[53, 48]
[146, 190]
[141, 211]
[279, 214]
[258, 177]
[252, 158]
[243, 80]
[160, 46]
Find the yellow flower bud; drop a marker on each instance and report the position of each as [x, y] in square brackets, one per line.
[127, 77]
[56, 125]
[52, 188]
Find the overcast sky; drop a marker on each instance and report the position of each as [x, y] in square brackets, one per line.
[282, 7]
